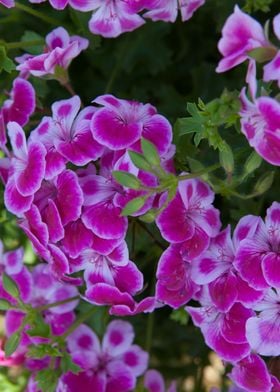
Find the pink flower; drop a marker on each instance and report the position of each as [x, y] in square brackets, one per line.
[8, 3]
[190, 217]
[120, 124]
[260, 124]
[111, 367]
[257, 259]
[251, 374]
[167, 10]
[28, 169]
[67, 135]
[223, 332]
[215, 267]
[174, 284]
[114, 17]
[60, 50]
[271, 71]
[106, 270]
[20, 106]
[154, 382]
[241, 34]
[263, 330]
[12, 264]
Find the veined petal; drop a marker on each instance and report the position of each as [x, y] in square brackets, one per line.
[105, 221]
[29, 177]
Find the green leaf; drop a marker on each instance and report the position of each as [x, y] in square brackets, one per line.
[252, 163]
[227, 158]
[35, 42]
[133, 206]
[126, 179]
[150, 152]
[262, 55]
[42, 350]
[39, 327]
[189, 125]
[264, 183]
[47, 380]
[10, 286]
[139, 161]
[5, 305]
[12, 343]
[6, 63]
[67, 365]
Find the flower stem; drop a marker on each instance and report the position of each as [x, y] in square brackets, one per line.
[23, 44]
[37, 14]
[200, 172]
[58, 303]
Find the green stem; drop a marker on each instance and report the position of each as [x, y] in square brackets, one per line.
[200, 172]
[37, 14]
[58, 303]
[24, 44]
[78, 322]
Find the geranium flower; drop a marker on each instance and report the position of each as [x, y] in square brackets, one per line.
[215, 267]
[111, 367]
[167, 10]
[60, 50]
[190, 217]
[257, 259]
[241, 34]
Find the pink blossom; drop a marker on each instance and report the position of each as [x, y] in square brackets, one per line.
[271, 71]
[114, 17]
[260, 124]
[257, 259]
[174, 284]
[251, 374]
[8, 3]
[241, 34]
[43, 289]
[224, 332]
[167, 10]
[120, 124]
[67, 136]
[262, 331]
[12, 264]
[190, 217]
[112, 366]
[215, 267]
[28, 163]
[60, 50]
[19, 106]
[16, 359]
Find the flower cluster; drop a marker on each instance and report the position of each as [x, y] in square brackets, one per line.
[239, 297]
[110, 18]
[243, 38]
[73, 218]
